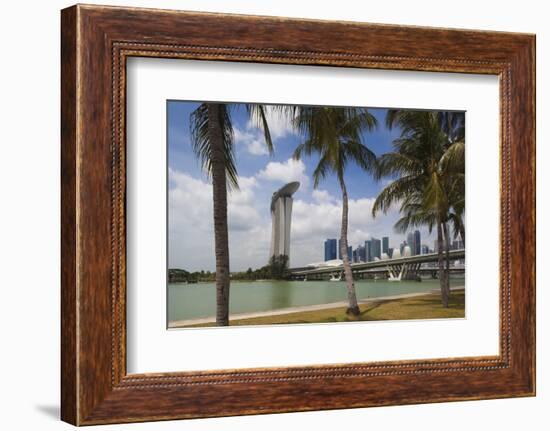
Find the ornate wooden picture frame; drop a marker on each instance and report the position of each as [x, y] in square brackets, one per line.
[96, 42]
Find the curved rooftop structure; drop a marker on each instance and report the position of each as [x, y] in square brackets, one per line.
[284, 192]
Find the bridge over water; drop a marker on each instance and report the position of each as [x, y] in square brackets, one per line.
[408, 267]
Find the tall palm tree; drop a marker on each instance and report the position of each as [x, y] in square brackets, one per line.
[453, 160]
[426, 162]
[335, 134]
[212, 142]
[452, 163]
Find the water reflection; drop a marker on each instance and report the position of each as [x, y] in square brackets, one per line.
[190, 301]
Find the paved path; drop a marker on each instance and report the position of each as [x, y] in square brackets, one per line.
[290, 310]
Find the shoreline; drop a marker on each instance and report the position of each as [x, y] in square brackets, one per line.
[175, 324]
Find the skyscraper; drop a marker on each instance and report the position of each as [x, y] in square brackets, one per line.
[376, 248]
[410, 241]
[385, 245]
[281, 213]
[361, 255]
[350, 253]
[413, 241]
[416, 248]
[425, 249]
[368, 251]
[330, 249]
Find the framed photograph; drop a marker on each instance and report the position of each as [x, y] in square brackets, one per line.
[268, 215]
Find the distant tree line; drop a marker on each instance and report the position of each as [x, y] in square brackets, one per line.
[276, 269]
[182, 276]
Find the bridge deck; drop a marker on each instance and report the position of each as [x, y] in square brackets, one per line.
[364, 266]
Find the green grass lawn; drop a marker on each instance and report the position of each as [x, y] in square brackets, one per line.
[420, 307]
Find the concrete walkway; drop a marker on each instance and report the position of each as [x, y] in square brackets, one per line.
[203, 321]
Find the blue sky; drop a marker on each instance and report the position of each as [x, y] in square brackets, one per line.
[316, 213]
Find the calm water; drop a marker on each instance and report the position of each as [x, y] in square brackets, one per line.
[191, 301]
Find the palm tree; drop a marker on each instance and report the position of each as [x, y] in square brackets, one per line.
[453, 160]
[453, 165]
[427, 162]
[335, 134]
[212, 142]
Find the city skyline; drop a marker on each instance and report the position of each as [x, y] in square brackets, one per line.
[370, 249]
[373, 248]
[316, 212]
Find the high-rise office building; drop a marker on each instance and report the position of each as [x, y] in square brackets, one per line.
[425, 249]
[413, 241]
[361, 255]
[350, 252]
[385, 244]
[390, 252]
[368, 251]
[410, 239]
[376, 248]
[416, 247]
[330, 249]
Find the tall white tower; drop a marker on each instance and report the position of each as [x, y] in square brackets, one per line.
[281, 214]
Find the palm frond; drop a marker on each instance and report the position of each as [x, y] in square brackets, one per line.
[361, 155]
[434, 194]
[201, 145]
[398, 163]
[335, 134]
[457, 223]
[257, 115]
[453, 157]
[321, 171]
[453, 124]
[395, 192]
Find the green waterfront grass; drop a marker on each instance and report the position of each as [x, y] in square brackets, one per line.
[419, 307]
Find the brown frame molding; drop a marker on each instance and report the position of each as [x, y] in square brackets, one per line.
[95, 43]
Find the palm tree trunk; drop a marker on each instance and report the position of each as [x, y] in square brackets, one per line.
[447, 260]
[353, 308]
[444, 293]
[221, 239]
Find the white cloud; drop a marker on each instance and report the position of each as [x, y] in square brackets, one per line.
[191, 197]
[322, 196]
[252, 139]
[316, 216]
[279, 125]
[323, 220]
[241, 214]
[285, 172]
[245, 194]
[191, 235]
